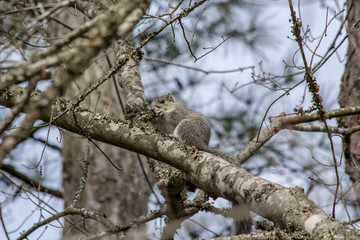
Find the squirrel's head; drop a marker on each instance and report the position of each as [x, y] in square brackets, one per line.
[165, 102]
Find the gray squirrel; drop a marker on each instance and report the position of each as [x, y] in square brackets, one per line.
[193, 128]
[172, 118]
[187, 125]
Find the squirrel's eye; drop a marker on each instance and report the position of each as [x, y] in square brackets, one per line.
[162, 101]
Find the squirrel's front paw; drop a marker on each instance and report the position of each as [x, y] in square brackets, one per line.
[158, 112]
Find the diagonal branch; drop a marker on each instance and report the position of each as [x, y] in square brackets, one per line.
[23, 177]
[283, 122]
[213, 174]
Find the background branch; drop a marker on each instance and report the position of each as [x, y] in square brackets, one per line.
[33, 183]
[283, 122]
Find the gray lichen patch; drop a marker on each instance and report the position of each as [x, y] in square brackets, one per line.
[63, 104]
[263, 190]
[112, 127]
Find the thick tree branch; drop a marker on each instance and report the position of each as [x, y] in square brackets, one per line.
[129, 79]
[277, 234]
[214, 175]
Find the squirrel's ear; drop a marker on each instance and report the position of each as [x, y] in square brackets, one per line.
[170, 96]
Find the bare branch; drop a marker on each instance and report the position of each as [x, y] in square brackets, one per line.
[3, 223]
[79, 211]
[239, 69]
[284, 122]
[23, 177]
[321, 128]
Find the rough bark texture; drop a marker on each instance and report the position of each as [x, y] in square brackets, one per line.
[350, 96]
[129, 79]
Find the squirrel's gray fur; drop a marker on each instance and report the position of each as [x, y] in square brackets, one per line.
[187, 125]
[190, 126]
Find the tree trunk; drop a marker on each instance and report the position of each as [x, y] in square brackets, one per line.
[350, 96]
[120, 195]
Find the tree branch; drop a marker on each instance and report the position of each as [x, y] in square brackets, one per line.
[34, 183]
[277, 234]
[321, 128]
[283, 122]
[79, 211]
[213, 174]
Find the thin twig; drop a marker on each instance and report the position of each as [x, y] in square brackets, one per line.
[214, 48]
[147, 178]
[273, 102]
[323, 34]
[314, 89]
[68, 211]
[239, 69]
[186, 40]
[84, 133]
[195, 26]
[82, 181]
[23, 177]
[3, 223]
